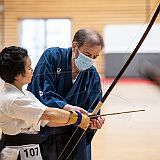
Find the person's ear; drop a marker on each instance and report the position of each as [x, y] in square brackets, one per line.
[74, 49]
[18, 77]
[74, 46]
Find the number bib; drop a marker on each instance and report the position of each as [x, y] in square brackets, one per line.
[30, 152]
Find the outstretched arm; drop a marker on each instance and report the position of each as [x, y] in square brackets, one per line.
[59, 117]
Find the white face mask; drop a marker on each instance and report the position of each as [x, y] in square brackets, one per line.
[83, 62]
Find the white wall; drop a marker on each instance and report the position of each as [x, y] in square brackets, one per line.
[124, 38]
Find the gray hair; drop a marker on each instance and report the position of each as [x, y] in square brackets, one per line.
[88, 36]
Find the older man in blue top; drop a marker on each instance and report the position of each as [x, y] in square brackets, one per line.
[66, 78]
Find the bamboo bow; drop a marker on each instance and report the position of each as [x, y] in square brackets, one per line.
[71, 145]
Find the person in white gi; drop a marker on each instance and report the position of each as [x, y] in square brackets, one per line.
[21, 114]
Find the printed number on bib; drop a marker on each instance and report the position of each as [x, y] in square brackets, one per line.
[30, 152]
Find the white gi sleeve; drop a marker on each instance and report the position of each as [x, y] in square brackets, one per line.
[42, 122]
[26, 109]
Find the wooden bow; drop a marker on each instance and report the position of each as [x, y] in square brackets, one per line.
[70, 146]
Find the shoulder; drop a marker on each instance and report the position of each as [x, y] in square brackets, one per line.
[55, 51]
[31, 96]
[7, 101]
[28, 93]
[28, 100]
[93, 72]
[55, 54]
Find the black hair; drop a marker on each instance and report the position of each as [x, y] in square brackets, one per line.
[88, 36]
[12, 63]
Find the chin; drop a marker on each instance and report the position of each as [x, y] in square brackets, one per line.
[27, 82]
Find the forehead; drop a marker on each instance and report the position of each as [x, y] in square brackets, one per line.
[27, 61]
[94, 50]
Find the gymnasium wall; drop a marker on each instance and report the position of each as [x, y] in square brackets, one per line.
[92, 14]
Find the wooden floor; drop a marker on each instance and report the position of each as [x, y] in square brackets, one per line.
[133, 136]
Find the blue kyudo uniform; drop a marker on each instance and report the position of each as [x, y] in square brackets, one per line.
[52, 84]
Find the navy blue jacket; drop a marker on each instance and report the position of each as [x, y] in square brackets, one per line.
[52, 83]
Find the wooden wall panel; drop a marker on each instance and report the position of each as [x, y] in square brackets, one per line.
[1, 24]
[1, 30]
[92, 14]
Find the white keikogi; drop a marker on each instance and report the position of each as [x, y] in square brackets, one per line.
[20, 113]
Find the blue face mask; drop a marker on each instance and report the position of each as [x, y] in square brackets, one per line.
[83, 62]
